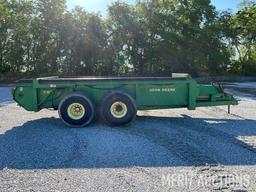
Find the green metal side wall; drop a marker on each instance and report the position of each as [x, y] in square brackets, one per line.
[148, 94]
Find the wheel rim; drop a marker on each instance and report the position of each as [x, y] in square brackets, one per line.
[76, 111]
[118, 109]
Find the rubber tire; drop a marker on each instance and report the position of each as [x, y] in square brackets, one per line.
[76, 98]
[109, 100]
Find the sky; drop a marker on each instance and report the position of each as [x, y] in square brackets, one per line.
[101, 5]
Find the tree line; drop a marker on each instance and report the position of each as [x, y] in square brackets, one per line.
[149, 38]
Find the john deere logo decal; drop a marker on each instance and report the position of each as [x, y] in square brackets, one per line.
[164, 89]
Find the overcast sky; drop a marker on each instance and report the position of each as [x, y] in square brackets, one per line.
[101, 5]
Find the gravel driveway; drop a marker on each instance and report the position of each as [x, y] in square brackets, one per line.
[163, 150]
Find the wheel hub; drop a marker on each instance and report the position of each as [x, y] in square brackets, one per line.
[118, 109]
[76, 111]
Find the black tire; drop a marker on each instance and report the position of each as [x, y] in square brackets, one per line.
[73, 101]
[114, 99]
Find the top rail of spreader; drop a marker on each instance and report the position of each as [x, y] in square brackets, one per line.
[95, 78]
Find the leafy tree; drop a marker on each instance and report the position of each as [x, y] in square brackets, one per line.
[150, 38]
[128, 37]
[15, 28]
[243, 38]
[84, 43]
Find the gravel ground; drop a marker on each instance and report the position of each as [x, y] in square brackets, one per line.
[163, 150]
[5, 95]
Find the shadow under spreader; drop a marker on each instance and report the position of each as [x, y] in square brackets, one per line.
[148, 142]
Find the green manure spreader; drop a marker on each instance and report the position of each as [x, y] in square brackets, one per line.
[116, 99]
